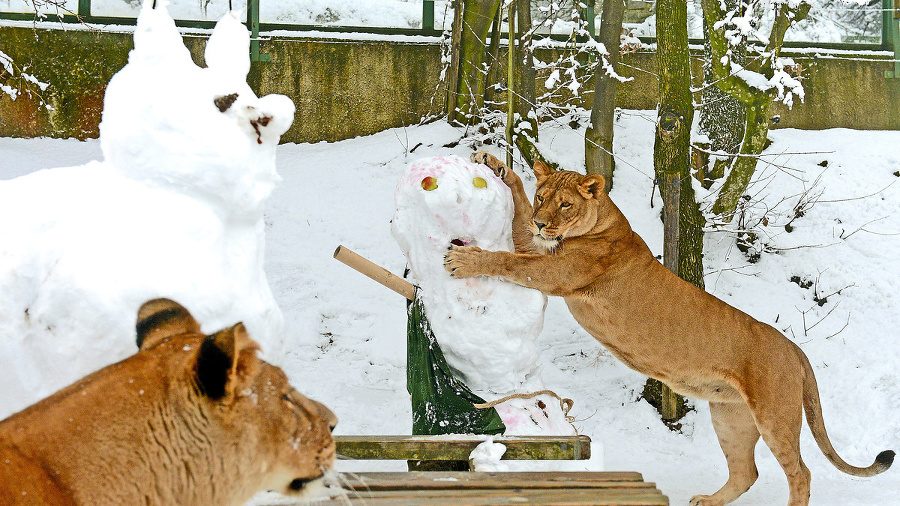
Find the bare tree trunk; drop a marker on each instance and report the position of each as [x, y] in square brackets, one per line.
[475, 24]
[493, 53]
[598, 139]
[453, 71]
[683, 222]
[754, 99]
[722, 117]
[526, 129]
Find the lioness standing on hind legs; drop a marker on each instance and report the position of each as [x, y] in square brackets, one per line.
[576, 244]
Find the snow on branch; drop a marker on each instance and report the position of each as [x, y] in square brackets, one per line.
[787, 85]
[15, 81]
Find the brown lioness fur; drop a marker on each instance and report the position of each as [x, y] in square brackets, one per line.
[188, 420]
[576, 244]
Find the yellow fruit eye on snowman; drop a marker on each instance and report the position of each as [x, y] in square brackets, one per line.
[429, 183]
[479, 182]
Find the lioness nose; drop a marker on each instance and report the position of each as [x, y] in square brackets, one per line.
[540, 226]
[326, 414]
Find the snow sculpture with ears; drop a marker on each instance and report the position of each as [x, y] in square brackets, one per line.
[487, 328]
[174, 210]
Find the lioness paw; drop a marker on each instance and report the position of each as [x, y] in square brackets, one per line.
[704, 500]
[492, 162]
[460, 261]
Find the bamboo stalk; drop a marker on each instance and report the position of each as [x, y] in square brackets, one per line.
[510, 76]
[375, 271]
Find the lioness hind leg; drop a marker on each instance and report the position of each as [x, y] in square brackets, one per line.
[738, 435]
[781, 433]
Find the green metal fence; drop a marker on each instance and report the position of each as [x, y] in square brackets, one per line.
[84, 15]
[890, 39]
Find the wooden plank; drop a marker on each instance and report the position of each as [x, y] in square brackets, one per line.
[576, 497]
[459, 447]
[374, 481]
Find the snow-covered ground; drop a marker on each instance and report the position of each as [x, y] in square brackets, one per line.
[346, 335]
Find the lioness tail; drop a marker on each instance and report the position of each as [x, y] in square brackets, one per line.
[813, 409]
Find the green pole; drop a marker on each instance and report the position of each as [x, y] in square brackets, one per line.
[428, 16]
[84, 8]
[253, 24]
[589, 13]
[890, 34]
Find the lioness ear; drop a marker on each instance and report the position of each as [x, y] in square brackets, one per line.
[161, 318]
[227, 363]
[591, 186]
[541, 170]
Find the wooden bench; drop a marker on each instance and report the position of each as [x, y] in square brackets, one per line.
[480, 488]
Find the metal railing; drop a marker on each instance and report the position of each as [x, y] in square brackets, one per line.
[890, 34]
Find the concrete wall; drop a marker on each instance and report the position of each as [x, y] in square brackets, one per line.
[343, 89]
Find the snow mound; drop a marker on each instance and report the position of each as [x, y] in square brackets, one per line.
[486, 457]
[174, 210]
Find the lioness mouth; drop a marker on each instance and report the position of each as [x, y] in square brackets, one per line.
[299, 484]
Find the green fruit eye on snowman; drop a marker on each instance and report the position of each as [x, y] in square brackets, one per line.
[429, 183]
[479, 182]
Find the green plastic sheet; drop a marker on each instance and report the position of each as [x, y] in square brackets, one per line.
[441, 403]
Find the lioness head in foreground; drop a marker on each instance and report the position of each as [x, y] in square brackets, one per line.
[190, 419]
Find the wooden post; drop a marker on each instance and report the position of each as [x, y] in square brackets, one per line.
[375, 271]
[671, 404]
[671, 160]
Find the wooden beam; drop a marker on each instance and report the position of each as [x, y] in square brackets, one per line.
[459, 447]
[376, 481]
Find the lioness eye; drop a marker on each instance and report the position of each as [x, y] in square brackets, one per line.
[564, 205]
[479, 183]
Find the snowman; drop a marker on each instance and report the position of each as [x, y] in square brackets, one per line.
[487, 328]
[174, 210]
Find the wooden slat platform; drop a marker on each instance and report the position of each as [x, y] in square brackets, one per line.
[458, 448]
[480, 488]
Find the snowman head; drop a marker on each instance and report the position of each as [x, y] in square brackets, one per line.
[446, 201]
[199, 131]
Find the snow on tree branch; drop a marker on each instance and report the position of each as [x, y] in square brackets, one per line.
[787, 85]
[15, 81]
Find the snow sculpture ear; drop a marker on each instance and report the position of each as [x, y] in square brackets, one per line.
[228, 48]
[156, 38]
[161, 318]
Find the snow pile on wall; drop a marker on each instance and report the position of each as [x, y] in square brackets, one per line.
[174, 210]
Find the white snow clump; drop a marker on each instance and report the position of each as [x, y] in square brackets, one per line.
[174, 210]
